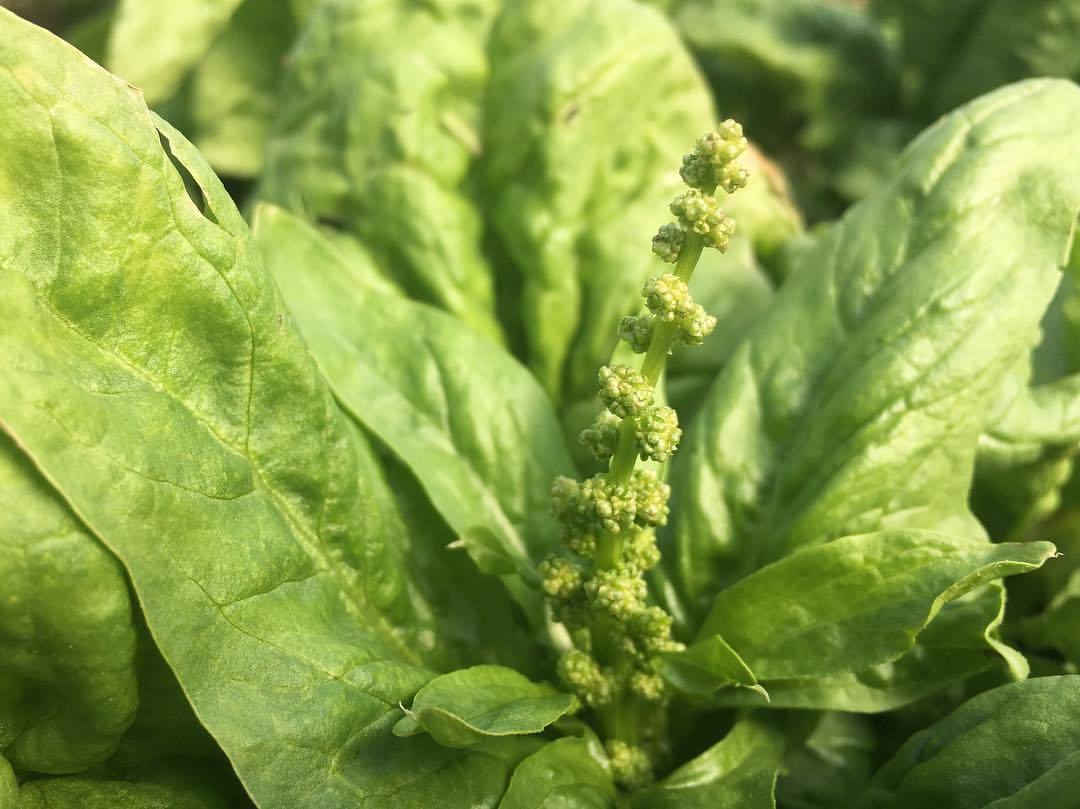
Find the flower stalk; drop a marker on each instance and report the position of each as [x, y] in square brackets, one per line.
[597, 588]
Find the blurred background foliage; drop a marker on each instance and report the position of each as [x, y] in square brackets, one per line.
[830, 92]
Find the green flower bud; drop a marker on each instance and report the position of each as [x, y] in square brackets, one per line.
[667, 297]
[640, 553]
[585, 679]
[658, 433]
[650, 498]
[602, 437]
[695, 325]
[624, 390]
[733, 177]
[560, 578]
[706, 166]
[630, 766]
[595, 505]
[721, 228]
[583, 543]
[668, 242]
[651, 631]
[637, 330]
[618, 593]
[693, 208]
[647, 685]
[701, 213]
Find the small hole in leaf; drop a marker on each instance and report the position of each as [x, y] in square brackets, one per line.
[194, 193]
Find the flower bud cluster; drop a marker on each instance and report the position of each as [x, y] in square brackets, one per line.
[631, 765]
[596, 587]
[668, 242]
[624, 391]
[709, 166]
[668, 300]
[601, 438]
[712, 163]
[700, 213]
[600, 504]
[627, 394]
[637, 330]
[584, 677]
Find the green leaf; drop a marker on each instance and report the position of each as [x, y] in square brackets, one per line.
[739, 772]
[1036, 417]
[853, 602]
[154, 376]
[832, 763]
[707, 666]
[164, 726]
[154, 45]
[568, 773]
[474, 615]
[954, 51]
[1010, 748]
[734, 289]
[229, 99]
[68, 689]
[856, 402]
[173, 784]
[464, 708]
[466, 418]
[9, 788]
[590, 106]
[803, 76]
[1025, 453]
[954, 647]
[1058, 626]
[376, 134]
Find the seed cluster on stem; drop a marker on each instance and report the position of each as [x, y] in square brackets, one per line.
[597, 587]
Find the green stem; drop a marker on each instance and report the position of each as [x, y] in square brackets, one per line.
[622, 462]
[665, 333]
[620, 719]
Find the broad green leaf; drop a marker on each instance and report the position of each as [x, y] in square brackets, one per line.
[956, 49]
[68, 687]
[831, 763]
[1058, 626]
[176, 785]
[739, 772]
[376, 133]
[853, 602]
[466, 418]
[153, 45]
[708, 665]
[955, 646]
[808, 79]
[466, 707]
[590, 108]
[1037, 417]
[9, 788]
[568, 773]
[781, 66]
[734, 288]
[164, 725]
[1010, 748]
[475, 618]
[1025, 453]
[229, 99]
[856, 402]
[154, 376]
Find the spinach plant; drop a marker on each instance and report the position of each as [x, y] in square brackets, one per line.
[310, 505]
